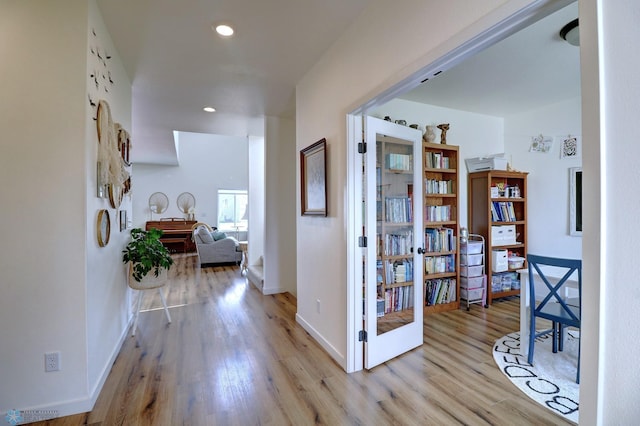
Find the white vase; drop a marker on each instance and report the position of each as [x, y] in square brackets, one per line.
[429, 134]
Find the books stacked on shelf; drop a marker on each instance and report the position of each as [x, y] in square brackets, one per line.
[379, 272]
[439, 264]
[398, 161]
[398, 243]
[398, 299]
[502, 211]
[441, 239]
[438, 291]
[398, 209]
[434, 186]
[437, 213]
[399, 272]
[436, 160]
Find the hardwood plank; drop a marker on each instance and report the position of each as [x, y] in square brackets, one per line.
[233, 356]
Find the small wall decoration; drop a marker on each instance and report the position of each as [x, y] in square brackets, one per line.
[123, 220]
[541, 144]
[575, 201]
[570, 147]
[103, 227]
[313, 176]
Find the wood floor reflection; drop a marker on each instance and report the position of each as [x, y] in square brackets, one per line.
[233, 356]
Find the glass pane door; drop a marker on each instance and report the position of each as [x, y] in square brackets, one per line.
[393, 222]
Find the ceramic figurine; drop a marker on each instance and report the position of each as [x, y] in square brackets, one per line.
[443, 136]
[429, 135]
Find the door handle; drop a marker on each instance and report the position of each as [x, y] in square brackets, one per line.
[421, 250]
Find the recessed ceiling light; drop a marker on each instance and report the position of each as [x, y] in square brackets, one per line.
[209, 109]
[224, 30]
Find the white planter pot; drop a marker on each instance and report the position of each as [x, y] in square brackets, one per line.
[150, 281]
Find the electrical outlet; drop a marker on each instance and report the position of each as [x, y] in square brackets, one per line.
[51, 361]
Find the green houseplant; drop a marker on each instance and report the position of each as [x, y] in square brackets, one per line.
[146, 253]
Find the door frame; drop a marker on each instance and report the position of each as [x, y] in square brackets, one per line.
[457, 51]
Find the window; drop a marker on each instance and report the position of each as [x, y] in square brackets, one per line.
[232, 210]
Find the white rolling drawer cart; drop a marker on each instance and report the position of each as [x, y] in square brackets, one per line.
[473, 280]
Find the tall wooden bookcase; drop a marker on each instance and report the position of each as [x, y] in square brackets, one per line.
[441, 246]
[490, 212]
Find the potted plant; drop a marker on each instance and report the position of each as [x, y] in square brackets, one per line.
[145, 253]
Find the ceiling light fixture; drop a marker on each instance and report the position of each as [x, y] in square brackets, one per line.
[209, 109]
[224, 30]
[571, 33]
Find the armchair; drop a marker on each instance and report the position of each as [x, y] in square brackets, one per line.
[215, 247]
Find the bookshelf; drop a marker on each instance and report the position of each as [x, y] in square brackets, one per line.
[441, 246]
[394, 222]
[498, 212]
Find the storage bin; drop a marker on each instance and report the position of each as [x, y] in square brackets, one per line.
[471, 294]
[470, 271]
[516, 262]
[471, 247]
[471, 259]
[506, 282]
[472, 282]
[503, 235]
[496, 284]
[499, 262]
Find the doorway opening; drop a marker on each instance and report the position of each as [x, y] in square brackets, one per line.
[442, 86]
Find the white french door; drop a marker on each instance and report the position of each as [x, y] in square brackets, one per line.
[393, 202]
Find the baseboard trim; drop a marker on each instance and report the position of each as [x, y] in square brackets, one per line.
[331, 350]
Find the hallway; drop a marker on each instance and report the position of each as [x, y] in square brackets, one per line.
[232, 356]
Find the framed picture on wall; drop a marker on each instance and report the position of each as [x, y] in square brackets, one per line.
[313, 176]
[123, 220]
[575, 208]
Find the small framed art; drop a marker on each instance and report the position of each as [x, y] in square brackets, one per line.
[313, 176]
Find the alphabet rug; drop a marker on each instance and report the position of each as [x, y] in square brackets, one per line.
[551, 380]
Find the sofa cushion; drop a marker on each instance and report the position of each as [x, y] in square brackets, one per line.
[217, 235]
[205, 235]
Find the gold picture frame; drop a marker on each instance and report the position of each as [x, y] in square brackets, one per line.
[103, 227]
[313, 176]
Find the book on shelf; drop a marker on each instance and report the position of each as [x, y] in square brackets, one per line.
[437, 213]
[439, 239]
[435, 186]
[439, 291]
[503, 211]
[436, 160]
[396, 161]
[439, 264]
[398, 209]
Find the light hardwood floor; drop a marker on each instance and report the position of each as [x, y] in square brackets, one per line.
[235, 357]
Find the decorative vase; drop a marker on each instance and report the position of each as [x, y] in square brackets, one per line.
[429, 134]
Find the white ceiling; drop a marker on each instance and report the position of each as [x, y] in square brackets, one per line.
[178, 65]
[532, 68]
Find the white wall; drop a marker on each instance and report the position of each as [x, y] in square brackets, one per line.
[387, 43]
[53, 273]
[280, 207]
[107, 298]
[548, 180]
[207, 163]
[610, 163]
[257, 188]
